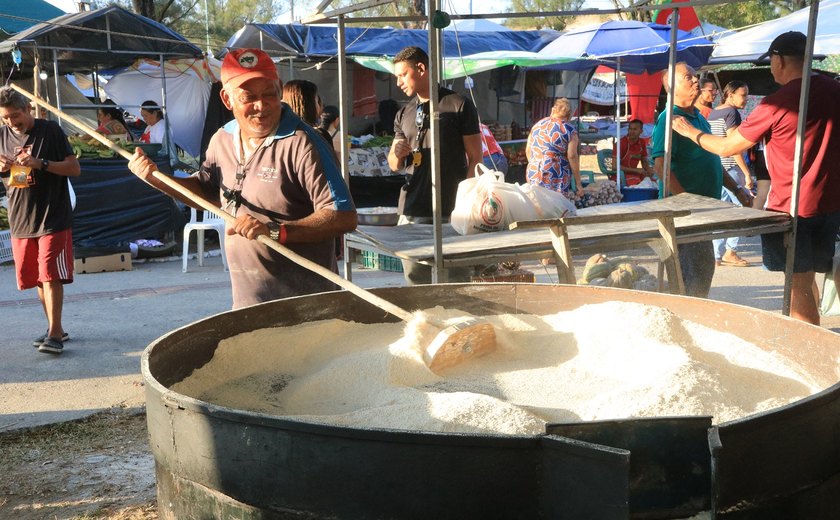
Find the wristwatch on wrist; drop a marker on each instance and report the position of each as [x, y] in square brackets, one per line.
[45, 164]
[273, 230]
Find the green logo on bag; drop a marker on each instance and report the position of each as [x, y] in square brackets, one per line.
[492, 212]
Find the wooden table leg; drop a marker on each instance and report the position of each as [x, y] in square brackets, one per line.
[672, 265]
[562, 254]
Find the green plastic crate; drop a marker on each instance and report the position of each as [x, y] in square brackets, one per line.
[372, 260]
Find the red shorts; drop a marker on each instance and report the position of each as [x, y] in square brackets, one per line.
[47, 258]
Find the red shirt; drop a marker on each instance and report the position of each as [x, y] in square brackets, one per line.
[775, 119]
[489, 145]
[631, 155]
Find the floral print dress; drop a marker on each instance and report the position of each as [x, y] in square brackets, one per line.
[548, 164]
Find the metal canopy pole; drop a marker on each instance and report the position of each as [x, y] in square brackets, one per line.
[617, 90]
[434, 130]
[57, 84]
[669, 106]
[167, 135]
[798, 151]
[343, 110]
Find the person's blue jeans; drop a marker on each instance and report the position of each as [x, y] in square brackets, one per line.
[731, 243]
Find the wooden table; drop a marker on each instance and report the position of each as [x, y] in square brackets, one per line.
[709, 219]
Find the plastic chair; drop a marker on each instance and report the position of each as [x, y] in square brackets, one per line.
[209, 221]
[606, 162]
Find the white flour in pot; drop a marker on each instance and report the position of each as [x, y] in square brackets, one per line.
[610, 360]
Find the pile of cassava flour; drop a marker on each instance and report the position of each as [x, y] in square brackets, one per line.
[601, 361]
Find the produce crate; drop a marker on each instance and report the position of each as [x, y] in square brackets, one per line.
[5, 246]
[103, 264]
[372, 260]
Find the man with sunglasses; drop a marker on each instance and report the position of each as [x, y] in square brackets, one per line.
[460, 150]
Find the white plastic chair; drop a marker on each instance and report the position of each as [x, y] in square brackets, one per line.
[209, 221]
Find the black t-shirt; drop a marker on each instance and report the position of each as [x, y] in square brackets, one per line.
[44, 207]
[458, 118]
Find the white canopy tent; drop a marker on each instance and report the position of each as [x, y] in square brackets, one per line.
[748, 45]
[188, 91]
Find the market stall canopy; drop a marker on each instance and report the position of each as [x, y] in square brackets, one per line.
[188, 92]
[636, 47]
[110, 37]
[314, 40]
[18, 16]
[748, 45]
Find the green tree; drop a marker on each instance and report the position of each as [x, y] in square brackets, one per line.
[189, 18]
[737, 15]
[542, 22]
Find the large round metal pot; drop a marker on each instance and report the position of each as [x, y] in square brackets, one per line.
[217, 462]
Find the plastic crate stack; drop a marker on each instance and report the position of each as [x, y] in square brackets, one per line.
[371, 260]
[5, 246]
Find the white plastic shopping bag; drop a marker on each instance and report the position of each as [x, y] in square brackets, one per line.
[830, 301]
[487, 203]
[548, 203]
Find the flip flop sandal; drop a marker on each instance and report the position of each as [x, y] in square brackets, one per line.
[51, 346]
[738, 263]
[37, 341]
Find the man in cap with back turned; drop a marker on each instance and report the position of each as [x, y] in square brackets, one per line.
[278, 178]
[775, 119]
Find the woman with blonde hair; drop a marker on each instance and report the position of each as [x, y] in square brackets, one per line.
[552, 151]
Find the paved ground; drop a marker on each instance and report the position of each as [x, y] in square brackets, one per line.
[112, 317]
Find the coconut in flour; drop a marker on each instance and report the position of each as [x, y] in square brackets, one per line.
[601, 361]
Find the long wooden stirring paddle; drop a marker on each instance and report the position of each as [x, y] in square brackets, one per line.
[455, 343]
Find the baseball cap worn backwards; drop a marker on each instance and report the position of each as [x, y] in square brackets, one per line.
[241, 65]
[791, 43]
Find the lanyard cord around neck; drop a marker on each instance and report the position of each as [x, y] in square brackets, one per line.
[422, 128]
[234, 195]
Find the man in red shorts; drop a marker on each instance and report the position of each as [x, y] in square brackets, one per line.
[35, 161]
[775, 120]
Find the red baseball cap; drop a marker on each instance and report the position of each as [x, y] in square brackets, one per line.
[241, 65]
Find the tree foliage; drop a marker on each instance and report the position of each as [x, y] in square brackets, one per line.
[542, 22]
[737, 15]
[189, 18]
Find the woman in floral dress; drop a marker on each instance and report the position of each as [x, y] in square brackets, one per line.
[552, 151]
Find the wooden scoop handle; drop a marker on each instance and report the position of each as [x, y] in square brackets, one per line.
[229, 219]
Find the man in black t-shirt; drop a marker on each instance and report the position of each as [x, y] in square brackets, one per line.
[460, 149]
[35, 161]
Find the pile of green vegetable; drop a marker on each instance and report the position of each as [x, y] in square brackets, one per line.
[619, 271]
[380, 141]
[84, 149]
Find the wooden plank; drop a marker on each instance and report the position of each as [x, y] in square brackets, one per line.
[607, 218]
[709, 218]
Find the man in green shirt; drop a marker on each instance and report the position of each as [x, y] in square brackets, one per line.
[692, 170]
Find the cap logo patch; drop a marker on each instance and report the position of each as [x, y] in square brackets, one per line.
[248, 60]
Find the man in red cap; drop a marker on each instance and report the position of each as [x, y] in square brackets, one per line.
[274, 174]
[775, 120]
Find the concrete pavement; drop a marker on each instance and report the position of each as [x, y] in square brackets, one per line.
[112, 317]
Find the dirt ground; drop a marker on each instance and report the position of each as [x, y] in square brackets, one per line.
[97, 468]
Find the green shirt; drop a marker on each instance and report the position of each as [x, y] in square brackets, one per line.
[698, 171]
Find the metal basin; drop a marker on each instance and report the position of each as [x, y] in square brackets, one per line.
[214, 462]
[379, 216]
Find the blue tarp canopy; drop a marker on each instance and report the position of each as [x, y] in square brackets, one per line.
[110, 37]
[17, 16]
[314, 40]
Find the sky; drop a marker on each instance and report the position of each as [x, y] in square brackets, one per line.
[303, 7]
